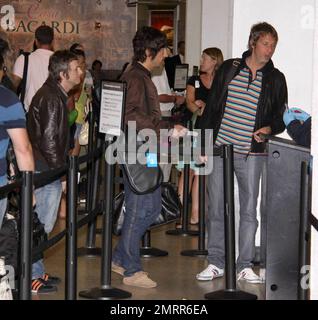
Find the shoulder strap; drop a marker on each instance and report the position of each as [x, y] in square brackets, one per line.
[230, 75]
[232, 71]
[22, 87]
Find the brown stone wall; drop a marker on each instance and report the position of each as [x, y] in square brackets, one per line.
[104, 27]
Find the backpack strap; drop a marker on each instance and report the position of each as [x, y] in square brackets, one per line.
[232, 71]
[22, 87]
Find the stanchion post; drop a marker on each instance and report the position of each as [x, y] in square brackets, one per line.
[304, 230]
[26, 237]
[201, 240]
[230, 292]
[229, 226]
[89, 165]
[106, 291]
[90, 249]
[183, 231]
[71, 234]
[146, 251]
[107, 234]
[91, 234]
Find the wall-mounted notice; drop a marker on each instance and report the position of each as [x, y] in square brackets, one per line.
[181, 77]
[112, 107]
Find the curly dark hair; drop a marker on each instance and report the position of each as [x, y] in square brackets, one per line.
[148, 38]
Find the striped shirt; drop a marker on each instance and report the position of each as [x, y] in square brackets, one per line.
[238, 121]
[12, 116]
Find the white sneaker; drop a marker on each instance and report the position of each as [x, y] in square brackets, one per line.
[210, 273]
[249, 275]
[262, 274]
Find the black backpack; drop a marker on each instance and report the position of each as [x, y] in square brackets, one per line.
[9, 232]
[9, 241]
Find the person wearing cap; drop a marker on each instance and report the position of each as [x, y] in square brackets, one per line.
[38, 64]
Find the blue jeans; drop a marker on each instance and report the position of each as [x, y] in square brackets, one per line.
[47, 204]
[141, 212]
[248, 173]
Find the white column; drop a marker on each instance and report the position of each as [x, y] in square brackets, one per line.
[314, 151]
[293, 20]
[217, 25]
[193, 33]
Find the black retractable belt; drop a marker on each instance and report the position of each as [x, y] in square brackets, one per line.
[230, 292]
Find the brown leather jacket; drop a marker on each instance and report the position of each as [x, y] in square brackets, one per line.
[142, 102]
[47, 126]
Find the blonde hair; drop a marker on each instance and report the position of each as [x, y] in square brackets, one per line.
[216, 54]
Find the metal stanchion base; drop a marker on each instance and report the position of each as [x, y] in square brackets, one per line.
[105, 293]
[181, 232]
[230, 295]
[194, 253]
[148, 252]
[89, 251]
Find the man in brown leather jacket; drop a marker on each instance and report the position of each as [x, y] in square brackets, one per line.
[48, 131]
[142, 110]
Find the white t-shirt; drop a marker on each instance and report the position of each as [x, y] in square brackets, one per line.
[160, 80]
[37, 72]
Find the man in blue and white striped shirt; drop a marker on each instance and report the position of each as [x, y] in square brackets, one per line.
[12, 126]
[247, 101]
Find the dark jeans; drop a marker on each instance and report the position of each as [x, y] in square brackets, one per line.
[141, 212]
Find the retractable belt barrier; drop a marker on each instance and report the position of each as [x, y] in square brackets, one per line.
[26, 184]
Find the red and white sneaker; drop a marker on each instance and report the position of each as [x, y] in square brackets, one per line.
[210, 273]
[249, 275]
